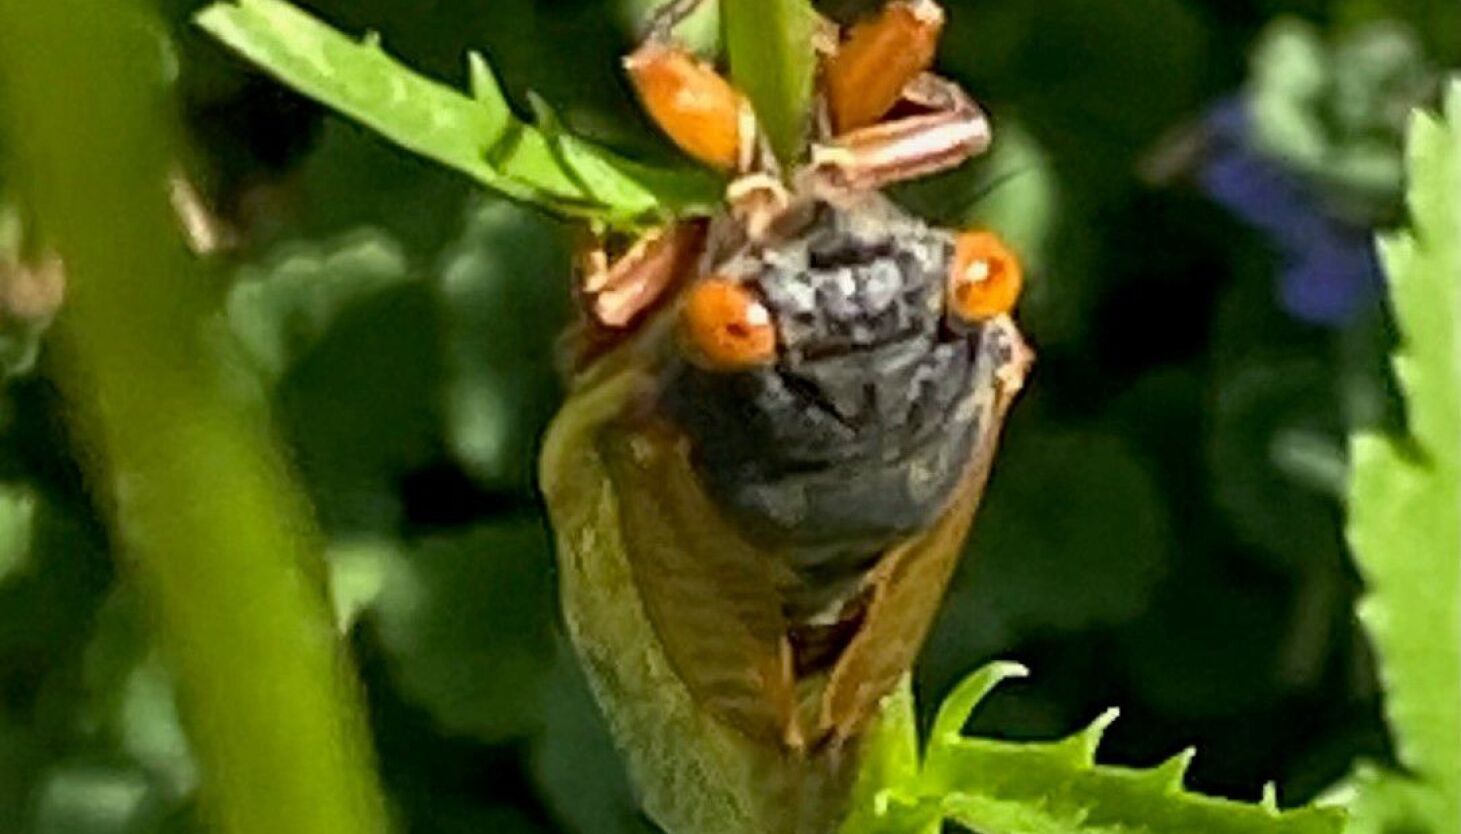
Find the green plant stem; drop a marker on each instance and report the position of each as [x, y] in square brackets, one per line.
[202, 509]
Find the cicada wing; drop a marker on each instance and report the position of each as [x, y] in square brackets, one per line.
[909, 582]
[709, 595]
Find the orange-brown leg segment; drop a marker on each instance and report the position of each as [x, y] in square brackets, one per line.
[949, 129]
[618, 293]
[878, 59]
[697, 108]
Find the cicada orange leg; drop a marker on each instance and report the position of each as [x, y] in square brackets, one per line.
[618, 291]
[880, 68]
[697, 108]
[878, 58]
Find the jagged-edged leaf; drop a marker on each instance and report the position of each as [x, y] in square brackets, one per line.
[1405, 493]
[477, 134]
[1382, 802]
[771, 60]
[1007, 787]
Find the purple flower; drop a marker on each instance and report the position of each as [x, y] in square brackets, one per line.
[1330, 271]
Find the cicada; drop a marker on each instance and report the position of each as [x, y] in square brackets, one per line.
[779, 427]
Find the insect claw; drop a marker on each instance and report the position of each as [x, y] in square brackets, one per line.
[757, 201]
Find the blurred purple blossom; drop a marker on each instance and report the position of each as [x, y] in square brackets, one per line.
[1330, 271]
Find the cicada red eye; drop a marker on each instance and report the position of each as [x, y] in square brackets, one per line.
[727, 327]
[985, 278]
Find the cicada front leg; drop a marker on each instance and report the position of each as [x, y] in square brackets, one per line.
[697, 108]
[946, 129]
[881, 68]
[617, 291]
[866, 74]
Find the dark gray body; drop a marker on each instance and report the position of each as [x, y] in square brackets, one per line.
[858, 435]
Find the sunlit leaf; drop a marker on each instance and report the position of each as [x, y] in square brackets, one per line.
[477, 134]
[1405, 525]
[986, 785]
[1383, 802]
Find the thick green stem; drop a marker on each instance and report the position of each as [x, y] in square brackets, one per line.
[202, 507]
[770, 47]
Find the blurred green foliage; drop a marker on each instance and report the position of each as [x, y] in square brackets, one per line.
[1163, 528]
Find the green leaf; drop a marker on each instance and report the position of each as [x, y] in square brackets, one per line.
[476, 134]
[95, 799]
[466, 623]
[1405, 493]
[132, 705]
[17, 508]
[1006, 787]
[574, 762]
[283, 306]
[1380, 802]
[771, 61]
[503, 286]
[349, 340]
